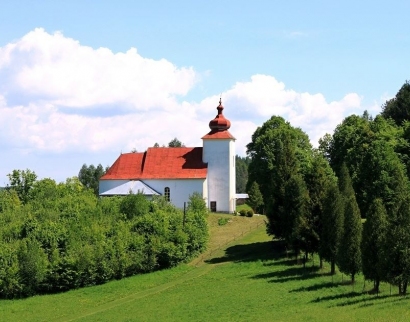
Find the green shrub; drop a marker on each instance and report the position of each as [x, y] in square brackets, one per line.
[65, 238]
[249, 213]
[243, 212]
[223, 221]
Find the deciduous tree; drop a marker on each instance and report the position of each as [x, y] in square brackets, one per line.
[22, 181]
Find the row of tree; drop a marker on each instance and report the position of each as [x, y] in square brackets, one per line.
[61, 236]
[315, 198]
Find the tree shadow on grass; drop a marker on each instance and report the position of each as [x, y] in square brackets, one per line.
[264, 251]
[365, 301]
[316, 287]
[290, 274]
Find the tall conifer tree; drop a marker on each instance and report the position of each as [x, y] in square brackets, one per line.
[332, 226]
[373, 243]
[349, 254]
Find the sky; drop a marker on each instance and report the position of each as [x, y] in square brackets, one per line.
[83, 81]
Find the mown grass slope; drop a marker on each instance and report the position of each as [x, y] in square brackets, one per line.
[250, 280]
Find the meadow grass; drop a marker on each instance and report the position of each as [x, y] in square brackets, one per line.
[251, 279]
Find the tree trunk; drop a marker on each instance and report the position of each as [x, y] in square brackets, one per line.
[332, 267]
[376, 286]
[352, 278]
[404, 287]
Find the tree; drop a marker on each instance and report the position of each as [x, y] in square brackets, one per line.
[241, 167]
[318, 179]
[90, 176]
[296, 225]
[332, 225]
[398, 108]
[397, 247]
[175, 143]
[381, 175]
[255, 197]
[22, 181]
[349, 255]
[277, 151]
[373, 243]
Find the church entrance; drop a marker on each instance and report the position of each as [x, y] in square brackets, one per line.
[213, 206]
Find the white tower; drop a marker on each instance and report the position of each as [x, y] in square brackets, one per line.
[219, 153]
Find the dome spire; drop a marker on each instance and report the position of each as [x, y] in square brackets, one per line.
[219, 123]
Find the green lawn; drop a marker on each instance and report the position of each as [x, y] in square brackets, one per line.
[251, 280]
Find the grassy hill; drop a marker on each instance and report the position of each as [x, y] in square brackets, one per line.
[249, 279]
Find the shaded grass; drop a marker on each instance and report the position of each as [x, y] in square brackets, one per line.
[250, 280]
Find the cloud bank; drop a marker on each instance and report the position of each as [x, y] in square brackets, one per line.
[59, 96]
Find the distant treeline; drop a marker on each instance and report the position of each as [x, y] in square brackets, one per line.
[56, 237]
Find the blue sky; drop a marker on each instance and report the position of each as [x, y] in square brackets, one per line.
[82, 81]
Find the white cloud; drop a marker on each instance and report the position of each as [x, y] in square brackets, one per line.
[66, 73]
[59, 96]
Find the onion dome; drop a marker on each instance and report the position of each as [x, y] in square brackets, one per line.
[219, 123]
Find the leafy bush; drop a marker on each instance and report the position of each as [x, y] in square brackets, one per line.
[63, 237]
[243, 212]
[223, 221]
[249, 213]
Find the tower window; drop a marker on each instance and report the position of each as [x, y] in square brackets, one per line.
[167, 194]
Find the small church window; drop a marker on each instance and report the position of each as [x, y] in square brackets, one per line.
[213, 206]
[167, 194]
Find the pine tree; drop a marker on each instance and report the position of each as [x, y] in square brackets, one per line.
[332, 226]
[397, 247]
[255, 197]
[349, 254]
[297, 229]
[373, 243]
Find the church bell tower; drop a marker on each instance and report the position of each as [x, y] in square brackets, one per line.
[219, 154]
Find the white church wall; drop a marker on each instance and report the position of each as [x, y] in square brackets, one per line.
[180, 189]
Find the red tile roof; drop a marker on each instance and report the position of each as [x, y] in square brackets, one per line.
[159, 163]
[219, 135]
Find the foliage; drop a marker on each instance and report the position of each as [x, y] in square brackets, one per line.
[397, 247]
[319, 178]
[134, 205]
[241, 168]
[175, 143]
[332, 225]
[373, 243]
[63, 237]
[398, 108]
[278, 151]
[255, 197]
[22, 181]
[223, 221]
[243, 212]
[249, 213]
[349, 255]
[90, 176]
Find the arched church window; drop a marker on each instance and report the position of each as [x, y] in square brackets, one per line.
[167, 194]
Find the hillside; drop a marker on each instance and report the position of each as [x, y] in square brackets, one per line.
[251, 279]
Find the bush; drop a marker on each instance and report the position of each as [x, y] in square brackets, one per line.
[249, 213]
[223, 221]
[70, 239]
[243, 212]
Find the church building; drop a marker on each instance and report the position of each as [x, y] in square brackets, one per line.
[178, 172]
